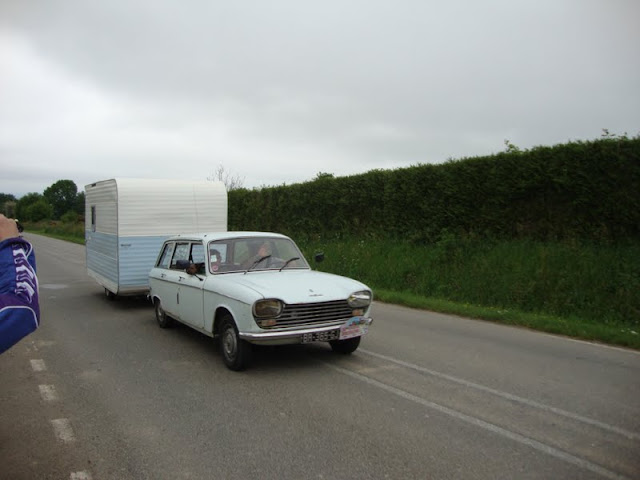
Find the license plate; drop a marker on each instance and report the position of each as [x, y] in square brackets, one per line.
[354, 327]
[321, 336]
[350, 331]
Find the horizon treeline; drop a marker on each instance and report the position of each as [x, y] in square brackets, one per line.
[59, 201]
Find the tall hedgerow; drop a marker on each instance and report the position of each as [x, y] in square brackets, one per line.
[586, 190]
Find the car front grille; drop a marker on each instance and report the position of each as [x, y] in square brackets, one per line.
[312, 314]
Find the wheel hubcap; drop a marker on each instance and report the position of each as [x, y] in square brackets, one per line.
[229, 343]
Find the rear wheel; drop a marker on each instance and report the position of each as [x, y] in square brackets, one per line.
[345, 346]
[236, 353]
[164, 320]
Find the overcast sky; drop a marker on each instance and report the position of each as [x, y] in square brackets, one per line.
[276, 91]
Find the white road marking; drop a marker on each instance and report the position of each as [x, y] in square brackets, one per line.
[531, 403]
[80, 476]
[486, 425]
[62, 429]
[38, 365]
[48, 393]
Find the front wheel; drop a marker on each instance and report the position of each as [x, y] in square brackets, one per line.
[345, 346]
[236, 353]
[164, 320]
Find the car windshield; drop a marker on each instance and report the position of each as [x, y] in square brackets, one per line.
[254, 254]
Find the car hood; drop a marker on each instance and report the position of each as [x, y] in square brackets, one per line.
[297, 286]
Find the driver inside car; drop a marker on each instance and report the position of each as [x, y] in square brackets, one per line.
[264, 250]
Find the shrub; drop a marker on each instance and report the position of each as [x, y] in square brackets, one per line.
[70, 217]
[39, 210]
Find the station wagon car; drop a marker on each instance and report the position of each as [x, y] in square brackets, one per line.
[246, 288]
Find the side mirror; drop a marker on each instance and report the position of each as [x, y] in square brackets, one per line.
[319, 257]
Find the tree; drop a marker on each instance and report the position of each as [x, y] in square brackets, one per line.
[6, 197]
[23, 204]
[40, 210]
[231, 181]
[9, 209]
[79, 204]
[323, 176]
[511, 148]
[7, 204]
[61, 196]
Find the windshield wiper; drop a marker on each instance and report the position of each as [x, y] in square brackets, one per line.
[254, 264]
[288, 262]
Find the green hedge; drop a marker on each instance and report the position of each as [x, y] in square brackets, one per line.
[587, 190]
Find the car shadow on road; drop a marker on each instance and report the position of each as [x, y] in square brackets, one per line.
[121, 303]
[289, 356]
[264, 358]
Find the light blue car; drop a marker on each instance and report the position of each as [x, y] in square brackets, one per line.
[248, 288]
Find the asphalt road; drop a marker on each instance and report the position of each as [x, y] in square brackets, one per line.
[100, 392]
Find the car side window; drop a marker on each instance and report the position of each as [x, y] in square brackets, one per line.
[218, 252]
[165, 257]
[197, 257]
[197, 253]
[181, 253]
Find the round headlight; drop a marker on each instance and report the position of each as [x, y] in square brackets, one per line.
[267, 308]
[359, 299]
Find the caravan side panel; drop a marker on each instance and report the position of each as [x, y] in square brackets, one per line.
[170, 207]
[102, 259]
[101, 233]
[149, 211]
[137, 257]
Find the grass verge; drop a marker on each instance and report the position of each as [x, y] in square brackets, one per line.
[575, 327]
[62, 231]
[581, 290]
[59, 236]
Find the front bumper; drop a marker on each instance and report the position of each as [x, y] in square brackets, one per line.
[293, 336]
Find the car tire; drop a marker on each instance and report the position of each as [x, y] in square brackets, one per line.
[164, 320]
[236, 353]
[345, 346]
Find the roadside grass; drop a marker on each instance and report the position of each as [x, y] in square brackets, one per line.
[578, 290]
[70, 232]
[575, 327]
[575, 289]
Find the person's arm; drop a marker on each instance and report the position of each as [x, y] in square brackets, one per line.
[19, 307]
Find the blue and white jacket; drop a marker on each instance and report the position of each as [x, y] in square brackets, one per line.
[19, 307]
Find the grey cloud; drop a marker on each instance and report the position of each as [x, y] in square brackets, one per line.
[341, 86]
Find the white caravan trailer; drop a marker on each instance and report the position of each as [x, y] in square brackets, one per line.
[127, 220]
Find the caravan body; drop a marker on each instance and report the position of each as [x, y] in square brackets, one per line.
[127, 220]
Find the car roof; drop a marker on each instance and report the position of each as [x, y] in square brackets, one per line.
[212, 236]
